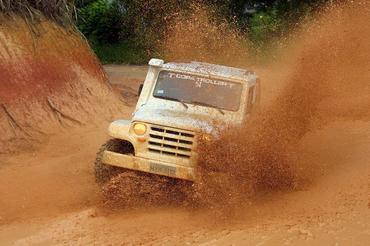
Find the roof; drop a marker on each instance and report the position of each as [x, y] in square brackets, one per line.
[211, 69]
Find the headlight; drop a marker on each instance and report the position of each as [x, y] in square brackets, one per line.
[139, 129]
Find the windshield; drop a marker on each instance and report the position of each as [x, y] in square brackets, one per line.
[198, 90]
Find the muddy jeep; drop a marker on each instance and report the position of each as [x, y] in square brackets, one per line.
[177, 104]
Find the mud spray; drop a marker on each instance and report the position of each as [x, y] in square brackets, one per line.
[328, 79]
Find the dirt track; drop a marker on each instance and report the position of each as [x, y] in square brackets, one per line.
[49, 197]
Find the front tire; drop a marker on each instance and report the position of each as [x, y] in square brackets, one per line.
[135, 189]
[104, 172]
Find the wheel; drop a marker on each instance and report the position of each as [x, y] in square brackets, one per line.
[103, 172]
[133, 189]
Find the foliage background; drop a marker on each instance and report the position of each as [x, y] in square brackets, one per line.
[127, 31]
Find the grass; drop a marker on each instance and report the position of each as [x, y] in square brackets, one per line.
[62, 12]
[120, 53]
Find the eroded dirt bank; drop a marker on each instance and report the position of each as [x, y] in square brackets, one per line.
[49, 80]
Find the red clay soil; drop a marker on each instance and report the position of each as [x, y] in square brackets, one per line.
[48, 78]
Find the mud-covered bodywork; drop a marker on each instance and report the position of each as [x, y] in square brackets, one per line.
[177, 103]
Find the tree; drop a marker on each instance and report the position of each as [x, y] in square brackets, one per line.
[101, 20]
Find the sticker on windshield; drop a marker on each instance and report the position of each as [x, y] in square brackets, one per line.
[205, 90]
[199, 81]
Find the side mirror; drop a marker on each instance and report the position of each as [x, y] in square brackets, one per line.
[258, 92]
[140, 89]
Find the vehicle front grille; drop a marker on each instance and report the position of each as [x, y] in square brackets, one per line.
[170, 141]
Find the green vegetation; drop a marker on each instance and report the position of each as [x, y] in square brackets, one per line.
[130, 31]
[122, 52]
[126, 31]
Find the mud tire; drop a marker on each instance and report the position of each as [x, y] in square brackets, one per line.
[137, 189]
[103, 172]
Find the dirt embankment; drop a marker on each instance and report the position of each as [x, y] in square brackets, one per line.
[49, 80]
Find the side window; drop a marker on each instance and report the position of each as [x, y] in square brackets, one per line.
[250, 98]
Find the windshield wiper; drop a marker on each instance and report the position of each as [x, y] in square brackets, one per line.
[208, 105]
[176, 100]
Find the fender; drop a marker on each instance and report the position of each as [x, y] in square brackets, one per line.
[120, 129]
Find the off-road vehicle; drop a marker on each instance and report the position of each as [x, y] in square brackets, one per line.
[177, 104]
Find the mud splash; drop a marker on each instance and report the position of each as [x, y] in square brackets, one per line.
[329, 81]
[202, 35]
[132, 189]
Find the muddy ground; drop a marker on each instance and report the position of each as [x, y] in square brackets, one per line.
[49, 197]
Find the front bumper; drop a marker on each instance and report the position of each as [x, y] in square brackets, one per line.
[148, 166]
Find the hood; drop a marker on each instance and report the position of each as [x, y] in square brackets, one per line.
[194, 118]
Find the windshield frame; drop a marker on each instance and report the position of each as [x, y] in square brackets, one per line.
[234, 81]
